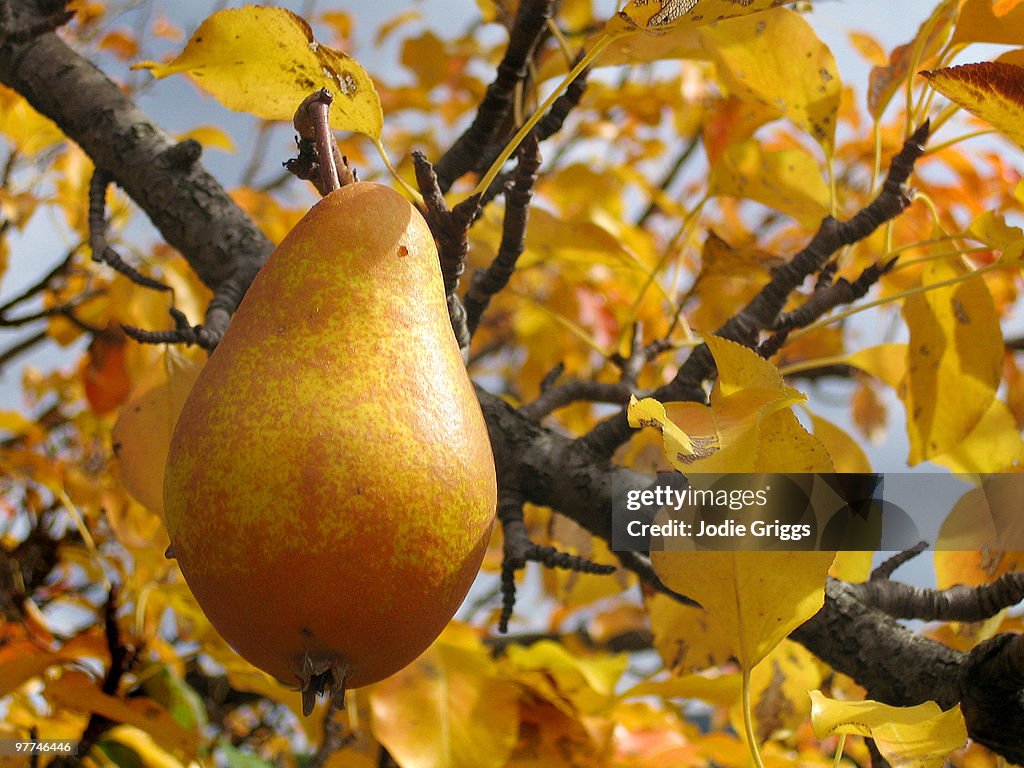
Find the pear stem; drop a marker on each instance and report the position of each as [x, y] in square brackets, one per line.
[319, 107]
[328, 170]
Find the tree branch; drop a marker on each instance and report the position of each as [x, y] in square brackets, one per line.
[764, 308]
[186, 204]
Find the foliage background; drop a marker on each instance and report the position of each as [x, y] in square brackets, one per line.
[541, 703]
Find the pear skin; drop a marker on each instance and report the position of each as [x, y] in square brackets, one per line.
[330, 487]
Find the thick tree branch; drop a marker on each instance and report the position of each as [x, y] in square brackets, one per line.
[186, 204]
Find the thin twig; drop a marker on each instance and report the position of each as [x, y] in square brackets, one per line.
[466, 152]
[518, 194]
[102, 252]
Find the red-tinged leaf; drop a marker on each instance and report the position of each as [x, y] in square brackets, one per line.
[733, 120]
[884, 81]
[992, 90]
[104, 373]
[121, 43]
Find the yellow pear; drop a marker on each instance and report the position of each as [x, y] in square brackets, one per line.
[330, 487]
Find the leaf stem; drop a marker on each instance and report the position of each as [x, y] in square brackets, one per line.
[974, 134]
[748, 722]
[409, 190]
[839, 750]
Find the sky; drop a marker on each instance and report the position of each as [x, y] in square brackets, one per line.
[175, 104]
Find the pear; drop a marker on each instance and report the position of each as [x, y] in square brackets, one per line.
[330, 488]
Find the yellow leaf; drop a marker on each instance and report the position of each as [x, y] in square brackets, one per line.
[979, 22]
[777, 442]
[868, 47]
[785, 446]
[552, 238]
[748, 426]
[58, 724]
[845, 453]
[28, 131]
[740, 368]
[955, 360]
[438, 711]
[210, 136]
[585, 684]
[720, 690]
[22, 657]
[264, 61]
[778, 692]
[991, 229]
[15, 424]
[76, 691]
[986, 519]
[787, 180]
[680, 42]
[425, 56]
[663, 15]
[852, 565]
[908, 737]
[777, 59]
[755, 598]
[573, 589]
[719, 259]
[685, 637]
[392, 25]
[994, 445]
[726, 433]
[886, 362]
[992, 90]
[648, 412]
[143, 744]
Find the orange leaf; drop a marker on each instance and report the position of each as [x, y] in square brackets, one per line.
[76, 691]
[103, 372]
[22, 658]
[985, 21]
